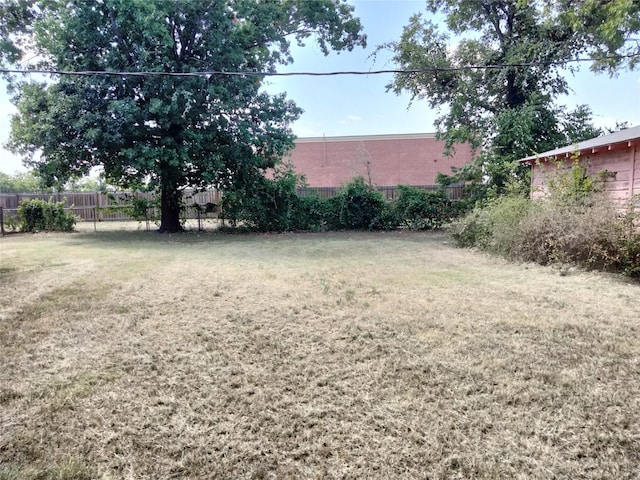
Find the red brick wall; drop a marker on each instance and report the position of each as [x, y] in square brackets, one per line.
[412, 159]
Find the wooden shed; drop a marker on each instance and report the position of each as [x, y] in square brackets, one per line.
[615, 158]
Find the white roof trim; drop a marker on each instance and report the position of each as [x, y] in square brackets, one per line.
[627, 136]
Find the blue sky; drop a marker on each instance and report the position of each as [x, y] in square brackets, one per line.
[360, 105]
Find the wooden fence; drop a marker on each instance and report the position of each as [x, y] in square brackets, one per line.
[97, 206]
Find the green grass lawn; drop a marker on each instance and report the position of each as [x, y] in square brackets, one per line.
[337, 355]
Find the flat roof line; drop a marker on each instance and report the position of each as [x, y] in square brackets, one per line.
[360, 138]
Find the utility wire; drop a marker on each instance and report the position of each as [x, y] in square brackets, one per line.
[213, 73]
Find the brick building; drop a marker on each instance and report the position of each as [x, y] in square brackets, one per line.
[383, 160]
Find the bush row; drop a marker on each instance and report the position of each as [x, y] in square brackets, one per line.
[591, 234]
[35, 215]
[274, 205]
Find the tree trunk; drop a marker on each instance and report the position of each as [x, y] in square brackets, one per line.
[170, 208]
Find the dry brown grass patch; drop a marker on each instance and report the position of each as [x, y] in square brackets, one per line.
[389, 355]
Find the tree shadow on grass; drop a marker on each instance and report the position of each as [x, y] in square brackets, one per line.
[190, 237]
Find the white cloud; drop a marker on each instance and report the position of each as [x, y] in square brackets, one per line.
[354, 118]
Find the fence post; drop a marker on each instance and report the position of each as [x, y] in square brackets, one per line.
[2, 219]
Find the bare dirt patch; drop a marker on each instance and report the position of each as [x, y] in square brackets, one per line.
[387, 355]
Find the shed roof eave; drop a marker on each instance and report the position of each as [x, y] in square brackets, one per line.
[628, 137]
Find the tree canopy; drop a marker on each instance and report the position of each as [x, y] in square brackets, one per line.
[495, 68]
[608, 29]
[16, 19]
[216, 130]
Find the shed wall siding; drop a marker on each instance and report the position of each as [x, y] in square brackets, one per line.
[617, 167]
[635, 171]
[394, 161]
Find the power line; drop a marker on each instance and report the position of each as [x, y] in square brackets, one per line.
[214, 73]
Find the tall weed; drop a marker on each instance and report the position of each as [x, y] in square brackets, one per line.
[588, 236]
[579, 227]
[495, 226]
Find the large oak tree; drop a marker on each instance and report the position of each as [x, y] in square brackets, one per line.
[173, 131]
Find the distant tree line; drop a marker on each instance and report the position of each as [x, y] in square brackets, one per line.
[32, 182]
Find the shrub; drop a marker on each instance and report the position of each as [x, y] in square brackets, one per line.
[357, 206]
[574, 224]
[572, 186]
[312, 213]
[36, 215]
[630, 255]
[472, 230]
[507, 216]
[419, 209]
[494, 227]
[139, 208]
[592, 234]
[588, 236]
[272, 205]
[630, 242]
